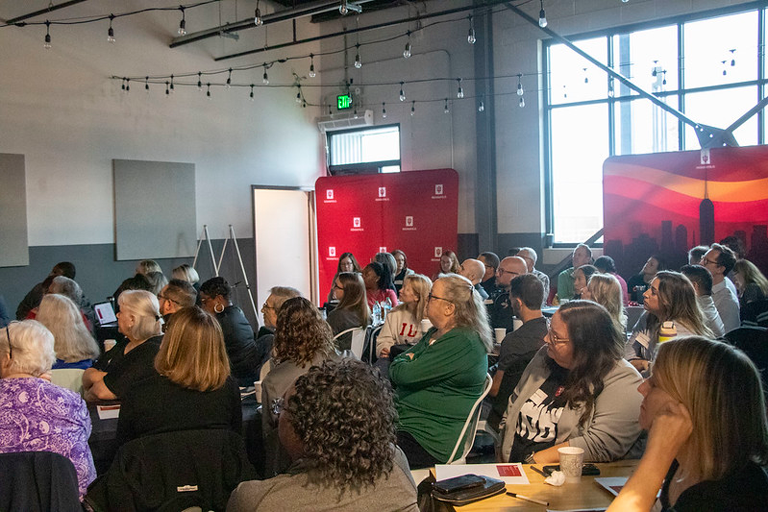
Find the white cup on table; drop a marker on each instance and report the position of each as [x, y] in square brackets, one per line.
[500, 333]
[571, 462]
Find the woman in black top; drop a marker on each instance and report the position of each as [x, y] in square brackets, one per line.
[129, 361]
[192, 389]
[704, 408]
[238, 333]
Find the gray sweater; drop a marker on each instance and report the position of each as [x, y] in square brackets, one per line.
[611, 429]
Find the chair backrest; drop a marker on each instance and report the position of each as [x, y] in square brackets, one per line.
[358, 339]
[38, 481]
[70, 378]
[467, 436]
[370, 343]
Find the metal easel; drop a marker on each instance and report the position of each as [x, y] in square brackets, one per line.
[216, 266]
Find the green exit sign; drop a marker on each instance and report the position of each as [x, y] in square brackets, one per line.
[344, 101]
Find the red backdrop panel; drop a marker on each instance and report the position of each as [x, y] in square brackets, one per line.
[652, 204]
[415, 211]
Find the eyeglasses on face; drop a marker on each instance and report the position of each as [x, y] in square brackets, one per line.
[706, 261]
[500, 271]
[165, 297]
[552, 335]
[431, 297]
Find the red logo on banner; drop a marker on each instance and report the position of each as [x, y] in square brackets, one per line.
[332, 252]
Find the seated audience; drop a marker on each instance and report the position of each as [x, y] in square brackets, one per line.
[449, 264]
[378, 285]
[670, 298]
[37, 415]
[491, 262]
[605, 265]
[132, 360]
[338, 426]
[177, 294]
[352, 311]
[701, 280]
[157, 281]
[606, 291]
[403, 324]
[144, 267]
[580, 279]
[440, 379]
[388, 260]
[73, 343]
[302, 340]
[238, 333]
[32, 299]
[578, 391]
[192, 388]
[67, 287]
[696, 253]
[719, 260]
[638, 283]
[707, 432]
[277, 297]
[751, 284]
[402, 269]
[582, 255]
[500, 310]
[187, 273]
[519, 346]
[347, 263]
[474, 270]
[137, 282]
[530, 257]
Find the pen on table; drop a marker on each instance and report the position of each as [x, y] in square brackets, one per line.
[526, 498]
[539, 471]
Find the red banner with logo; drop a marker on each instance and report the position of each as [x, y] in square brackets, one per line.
[666, 203]
[415, 211]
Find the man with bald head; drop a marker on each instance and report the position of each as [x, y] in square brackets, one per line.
[530, 257]
[501, 310]
[474, 270]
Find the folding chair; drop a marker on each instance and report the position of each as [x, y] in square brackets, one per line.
[467, 436]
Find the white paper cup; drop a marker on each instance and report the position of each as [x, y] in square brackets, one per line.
[571, 461]
[500, 333]
[109, 345]
[516, 323]
[425, 325]
[257, 392]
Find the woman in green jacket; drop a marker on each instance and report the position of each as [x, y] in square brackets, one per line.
[441, 377]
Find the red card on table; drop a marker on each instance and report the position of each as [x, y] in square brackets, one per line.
[510, 470]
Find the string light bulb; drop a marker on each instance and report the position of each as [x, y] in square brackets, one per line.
[111, 31]
[446, 110]
[481, 106]
[520, 90]
[343, 8]
[586, 77]
[413, 108]
[611, 92]
[298, 94]
[122, 85]
[733, 57]
[146, 84]
[725, 71]
[251, 95]
[330, 111]
[265, 77]
[460, 92]
[167, 88]
[208, 92]
[521, 103]
[257, 16]
[312, 73]
[183, 23]
[229, 79]
[199, 80]
[542, 16]
[127, 84]
[303, 103]
[172, 91]
[402, 92]
[407, 51]
[471, 37]
[384, 110]
[358, 62]
[47, 40]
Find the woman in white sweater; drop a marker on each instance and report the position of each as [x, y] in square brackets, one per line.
[403, 324]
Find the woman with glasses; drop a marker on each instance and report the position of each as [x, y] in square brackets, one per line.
[441, 377]
[37, 415]
[704, 410]
[577, 391]
[347, 263]
[352, 311]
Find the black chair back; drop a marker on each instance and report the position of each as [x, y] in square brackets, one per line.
[38, 482]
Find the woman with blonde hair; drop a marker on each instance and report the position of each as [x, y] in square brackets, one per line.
[73, 343]
[157, 281]
[132, 360]
[442, 376]
[669, 298]
[403, 324]
[353, 310]
[144, 267]
[605, 289]
[192, 388]
[704, 410]
[750, 282]
[187, 273]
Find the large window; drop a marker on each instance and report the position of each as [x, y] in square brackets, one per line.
[708, 67]
[364, 150]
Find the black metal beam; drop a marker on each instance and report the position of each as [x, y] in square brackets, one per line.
[52, 8]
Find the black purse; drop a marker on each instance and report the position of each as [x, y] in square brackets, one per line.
[431, 500]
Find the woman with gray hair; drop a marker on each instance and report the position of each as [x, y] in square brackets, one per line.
[441, 377]
[38, 415]
[132, 360]
[73, 343]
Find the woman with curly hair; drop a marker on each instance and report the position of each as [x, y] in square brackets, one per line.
[440, 378]
[338, 425]
[302, 340]
[577, 391]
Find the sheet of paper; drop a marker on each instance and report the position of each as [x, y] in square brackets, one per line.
[108, 412]
[509, 473]
[612, 484]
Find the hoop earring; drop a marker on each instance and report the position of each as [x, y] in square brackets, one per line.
[217, 306]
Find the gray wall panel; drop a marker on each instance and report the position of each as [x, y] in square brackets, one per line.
[14, 248]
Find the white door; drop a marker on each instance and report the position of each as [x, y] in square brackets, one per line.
[284, 235]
